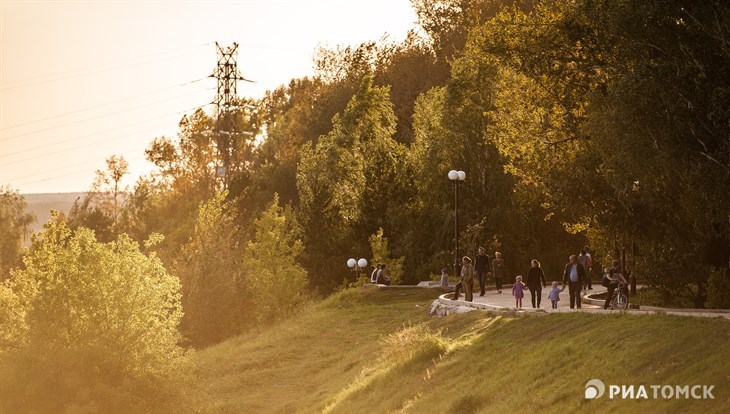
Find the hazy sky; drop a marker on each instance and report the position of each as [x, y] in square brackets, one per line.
[81, 81]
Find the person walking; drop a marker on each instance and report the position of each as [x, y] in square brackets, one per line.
[481, 264]
[467, 278]
[535, 282]
[589, 266]
[554, 294]
[573, 276]
[585, 260]
[518, 291]
[498, 270]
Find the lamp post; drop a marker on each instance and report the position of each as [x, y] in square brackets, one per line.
[456, 177]
[357, 266]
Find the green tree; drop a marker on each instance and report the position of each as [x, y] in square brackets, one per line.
[276, 281]
[15, 228]
[381, 254]
[99, 328]
[99, 209]
[349, 181]
[209, 267]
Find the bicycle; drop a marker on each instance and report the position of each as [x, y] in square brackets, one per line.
[619, 300]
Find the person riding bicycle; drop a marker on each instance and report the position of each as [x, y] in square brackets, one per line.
[614, 277]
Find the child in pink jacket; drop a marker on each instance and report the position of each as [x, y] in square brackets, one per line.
[518, 291]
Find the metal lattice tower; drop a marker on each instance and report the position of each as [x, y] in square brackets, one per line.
[227, 74]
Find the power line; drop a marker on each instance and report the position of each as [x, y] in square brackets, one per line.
[85, 70]
[103, 104]
[108, 140]
[85, 163]
[97, 117]
[73, 172]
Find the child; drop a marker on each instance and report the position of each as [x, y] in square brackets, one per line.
[444, 278]
[518, 291]
[554, 294]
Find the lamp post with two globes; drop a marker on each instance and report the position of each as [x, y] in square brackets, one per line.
[456, 177]
[357, 266]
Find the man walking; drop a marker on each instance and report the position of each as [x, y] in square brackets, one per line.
[589, 266]
[573, 276]
[482, 266]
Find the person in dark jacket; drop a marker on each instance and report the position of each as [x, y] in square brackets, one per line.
[573, 276]
[481, 265]
[535, 282]
[498, 270]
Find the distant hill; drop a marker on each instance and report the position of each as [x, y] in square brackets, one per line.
[42, 204]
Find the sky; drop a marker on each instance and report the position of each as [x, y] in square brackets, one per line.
[83, 80]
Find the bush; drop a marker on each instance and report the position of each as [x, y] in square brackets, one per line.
[96, 325]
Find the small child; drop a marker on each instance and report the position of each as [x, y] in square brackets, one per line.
[518, 291]
[444, 278]
[554, 294]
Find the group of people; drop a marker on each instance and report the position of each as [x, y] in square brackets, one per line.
[480, 269]
[576, 277]
[379, 275]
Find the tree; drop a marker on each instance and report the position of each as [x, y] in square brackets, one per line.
[98, 325]
[214, 289]
[349, 181]
[276, 281]
[14, 226]
[99, 209]
[381, 254]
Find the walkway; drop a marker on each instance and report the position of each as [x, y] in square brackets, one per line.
[506, 302]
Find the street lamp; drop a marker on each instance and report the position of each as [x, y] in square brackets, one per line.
[456, 177]
[357, 266]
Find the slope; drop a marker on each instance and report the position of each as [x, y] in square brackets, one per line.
[368, 350]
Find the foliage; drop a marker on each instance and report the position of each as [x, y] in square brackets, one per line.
[214, 288]
[97, 324]
[349, 182]
[14, 226]
[718, 289]
[276, 281]
[381, 254]
[101, 206]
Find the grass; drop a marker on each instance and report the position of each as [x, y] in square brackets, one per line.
[368, 350]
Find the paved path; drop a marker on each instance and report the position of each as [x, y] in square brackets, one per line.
[505, 301]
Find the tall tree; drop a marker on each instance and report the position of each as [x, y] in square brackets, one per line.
[214, 290]
[99, 209]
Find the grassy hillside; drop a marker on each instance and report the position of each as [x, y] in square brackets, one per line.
[376, 351]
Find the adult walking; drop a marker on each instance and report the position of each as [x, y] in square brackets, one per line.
[573, 277]
[585, 260]
[498, 270]
[467, 278]
[481, 264]
[589, 266]
[535, 282]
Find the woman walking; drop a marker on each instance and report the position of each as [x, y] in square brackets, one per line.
[498, 270]
[467, 278]
[535, 282]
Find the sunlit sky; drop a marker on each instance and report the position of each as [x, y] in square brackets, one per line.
[81, 81]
